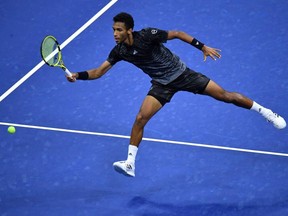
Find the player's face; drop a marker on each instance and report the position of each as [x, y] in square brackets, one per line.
[121, 34]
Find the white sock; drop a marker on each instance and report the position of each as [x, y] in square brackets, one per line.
[132, 152]
[257, 107]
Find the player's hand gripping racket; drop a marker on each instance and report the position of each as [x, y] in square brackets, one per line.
[51, 53]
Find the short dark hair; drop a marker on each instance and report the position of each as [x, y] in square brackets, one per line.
[126, 18]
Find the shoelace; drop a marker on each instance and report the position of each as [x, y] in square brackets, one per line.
[271, 116]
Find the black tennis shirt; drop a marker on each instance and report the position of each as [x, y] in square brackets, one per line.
[150, 55]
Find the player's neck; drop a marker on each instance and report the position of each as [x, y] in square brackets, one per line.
[129, 41]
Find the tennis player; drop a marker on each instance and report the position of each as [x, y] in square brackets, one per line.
[168, 74]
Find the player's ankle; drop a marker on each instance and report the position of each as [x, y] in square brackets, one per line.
[257, 107]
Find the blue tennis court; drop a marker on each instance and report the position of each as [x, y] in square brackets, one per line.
[199, 156]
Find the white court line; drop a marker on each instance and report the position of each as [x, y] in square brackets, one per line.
[65, 43]
[146, 139]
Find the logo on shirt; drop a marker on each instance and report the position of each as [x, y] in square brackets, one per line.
[135, 52]
[154, 31]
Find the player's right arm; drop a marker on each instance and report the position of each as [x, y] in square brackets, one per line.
[93, 73]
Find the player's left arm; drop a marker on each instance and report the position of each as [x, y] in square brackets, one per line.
[207, 51]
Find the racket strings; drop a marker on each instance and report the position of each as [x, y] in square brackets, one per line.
[48, 46]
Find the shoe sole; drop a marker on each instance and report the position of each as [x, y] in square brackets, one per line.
[121, 171]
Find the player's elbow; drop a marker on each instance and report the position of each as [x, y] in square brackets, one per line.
[175, 34]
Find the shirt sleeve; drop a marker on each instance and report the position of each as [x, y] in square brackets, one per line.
[114, 57]
[156, 35]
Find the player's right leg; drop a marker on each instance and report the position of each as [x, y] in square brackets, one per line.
[148, 109]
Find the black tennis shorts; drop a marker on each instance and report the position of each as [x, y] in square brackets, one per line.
[189, 81]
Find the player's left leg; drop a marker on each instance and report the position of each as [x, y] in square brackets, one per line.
[217, 92]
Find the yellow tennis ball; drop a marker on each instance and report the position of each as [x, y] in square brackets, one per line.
[11, 130]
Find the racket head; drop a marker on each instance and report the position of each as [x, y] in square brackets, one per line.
[50, 45]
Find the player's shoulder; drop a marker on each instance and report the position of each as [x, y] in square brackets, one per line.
[148, 34]
[149, 30]
[116, 49]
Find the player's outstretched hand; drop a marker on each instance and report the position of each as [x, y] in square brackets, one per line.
[212, 52]
[72, 78]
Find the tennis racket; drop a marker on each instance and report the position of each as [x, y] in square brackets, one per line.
[51, 53]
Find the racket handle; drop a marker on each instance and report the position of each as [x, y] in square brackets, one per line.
[68, 73]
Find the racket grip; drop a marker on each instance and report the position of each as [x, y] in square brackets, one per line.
[67, 72]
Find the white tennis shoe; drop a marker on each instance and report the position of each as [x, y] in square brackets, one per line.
[274, 118]
[125, 168]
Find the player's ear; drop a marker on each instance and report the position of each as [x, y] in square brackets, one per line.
[130, 31]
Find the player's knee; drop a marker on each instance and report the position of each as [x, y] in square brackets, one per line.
[231, 97]
[141, 119]
[227, 97]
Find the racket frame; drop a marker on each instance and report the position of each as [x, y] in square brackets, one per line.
[60, 62]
